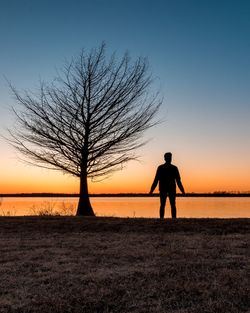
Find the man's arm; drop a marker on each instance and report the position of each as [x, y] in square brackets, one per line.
[155, 182]
[179, 183]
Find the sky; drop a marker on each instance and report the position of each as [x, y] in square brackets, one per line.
[199, 55]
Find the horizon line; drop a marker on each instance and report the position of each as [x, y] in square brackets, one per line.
[127, 194]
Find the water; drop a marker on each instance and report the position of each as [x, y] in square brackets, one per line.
[193, 207]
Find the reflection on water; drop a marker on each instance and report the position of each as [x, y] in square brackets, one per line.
[131, 206]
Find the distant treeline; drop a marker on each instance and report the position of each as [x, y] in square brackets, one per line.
[192, 194]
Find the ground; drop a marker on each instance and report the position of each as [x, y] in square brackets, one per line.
[76, 264]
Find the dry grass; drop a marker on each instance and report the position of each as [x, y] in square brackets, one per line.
[70, 264]
[48, 208]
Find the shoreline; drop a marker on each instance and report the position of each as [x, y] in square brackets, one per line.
[127, 224]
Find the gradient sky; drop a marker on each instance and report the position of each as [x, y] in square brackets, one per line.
[199, 53]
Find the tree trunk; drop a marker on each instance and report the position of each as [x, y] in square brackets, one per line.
[84, 206]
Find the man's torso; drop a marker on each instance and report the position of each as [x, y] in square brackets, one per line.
[167, 175]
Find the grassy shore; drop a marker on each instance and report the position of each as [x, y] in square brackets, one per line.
[71, 264]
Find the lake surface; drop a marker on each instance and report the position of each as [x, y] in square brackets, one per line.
[189, 207]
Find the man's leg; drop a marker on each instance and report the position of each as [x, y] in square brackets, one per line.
[163, 198]
[172, 196]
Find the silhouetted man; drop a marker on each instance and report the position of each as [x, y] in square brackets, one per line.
[167, 175]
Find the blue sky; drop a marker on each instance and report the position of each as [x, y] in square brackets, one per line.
[199, 54]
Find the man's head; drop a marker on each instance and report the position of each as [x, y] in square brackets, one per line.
[168, 157]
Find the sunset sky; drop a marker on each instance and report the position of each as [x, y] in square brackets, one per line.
[199, 54]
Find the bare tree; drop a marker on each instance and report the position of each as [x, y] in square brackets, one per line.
[89, 120]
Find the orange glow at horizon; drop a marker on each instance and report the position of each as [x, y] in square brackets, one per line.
[134, 179]
[198, 175]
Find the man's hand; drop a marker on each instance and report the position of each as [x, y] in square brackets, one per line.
[151, 191]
